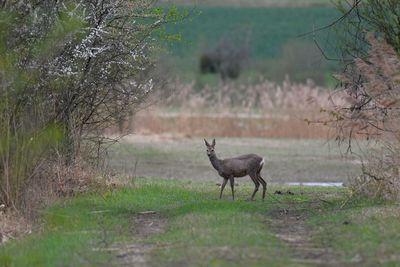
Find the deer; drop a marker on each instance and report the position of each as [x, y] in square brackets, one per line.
[231, 168]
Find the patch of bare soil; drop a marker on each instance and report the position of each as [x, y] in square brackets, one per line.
[148, 223]
[143, 225]
[289, 226]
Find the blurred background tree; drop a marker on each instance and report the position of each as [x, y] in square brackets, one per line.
[227, 57]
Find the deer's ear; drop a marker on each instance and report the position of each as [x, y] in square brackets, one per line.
[205, 141]
[213, 143]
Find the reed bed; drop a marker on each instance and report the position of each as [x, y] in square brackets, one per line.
[263, 109]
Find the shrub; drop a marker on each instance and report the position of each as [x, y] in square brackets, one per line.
[372, 111]
[68, 70]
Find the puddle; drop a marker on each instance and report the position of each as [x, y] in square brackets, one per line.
[324, 184]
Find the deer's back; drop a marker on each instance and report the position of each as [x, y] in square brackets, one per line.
[249, 157]
[241, 165]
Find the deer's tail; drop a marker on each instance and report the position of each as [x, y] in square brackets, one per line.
[261, 165]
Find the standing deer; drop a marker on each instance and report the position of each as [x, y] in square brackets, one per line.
[250, 164]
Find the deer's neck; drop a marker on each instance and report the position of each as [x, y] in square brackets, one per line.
[215, 162]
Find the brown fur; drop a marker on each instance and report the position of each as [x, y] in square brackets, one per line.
[229, 169]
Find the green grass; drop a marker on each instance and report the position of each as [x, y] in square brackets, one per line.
[270, 31]
[287, 160]
[202, 230]
[197, 221]
[363, 231]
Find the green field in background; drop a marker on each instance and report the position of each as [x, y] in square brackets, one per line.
[250, 3]
[270, 30]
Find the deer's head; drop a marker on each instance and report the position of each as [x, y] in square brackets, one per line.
[210, 148]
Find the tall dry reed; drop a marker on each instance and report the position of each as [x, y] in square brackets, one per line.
[261, 109]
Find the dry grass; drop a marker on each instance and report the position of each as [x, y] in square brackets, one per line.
[13, 225]
[56, 179]
[289, 125]
[287, 160]
[377, 212]
[262, 95]
[263, 109]
[381, 173]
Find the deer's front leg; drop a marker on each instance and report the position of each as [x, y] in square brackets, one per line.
[222, 187]
[232, 180]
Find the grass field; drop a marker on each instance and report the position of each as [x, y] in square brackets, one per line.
[272, 32]
[287, 160]
[189, 226]
[270, 28]
[250, 3]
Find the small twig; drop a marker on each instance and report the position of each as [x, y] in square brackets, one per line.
[134, 169]
[334, 22]
[147, 212]
[324, 200]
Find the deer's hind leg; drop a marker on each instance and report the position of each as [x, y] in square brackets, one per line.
[264, 184]
[261, 180]
[256, 184]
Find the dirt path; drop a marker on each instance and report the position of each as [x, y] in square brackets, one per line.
[290, 226]
[143, 225]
